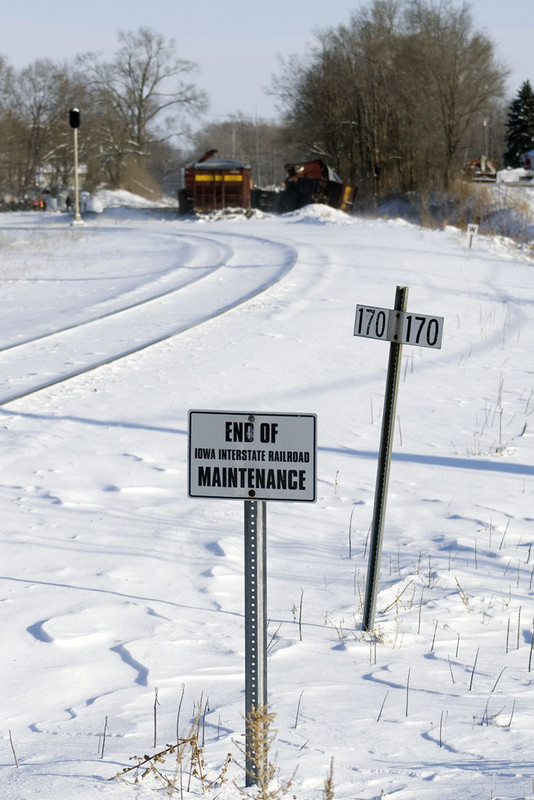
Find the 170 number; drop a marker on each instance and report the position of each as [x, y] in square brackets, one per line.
[422, 330]
[372, 322]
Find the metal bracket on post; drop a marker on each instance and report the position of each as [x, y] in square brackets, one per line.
[255, 635]
[384, 462]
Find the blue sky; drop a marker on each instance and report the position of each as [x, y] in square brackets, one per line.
[235, 43]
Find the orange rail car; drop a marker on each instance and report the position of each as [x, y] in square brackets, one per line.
[212, 184]
[315, 182]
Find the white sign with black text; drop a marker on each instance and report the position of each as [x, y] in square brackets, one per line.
[246, 456]
[421, 329]
[398, 326]
[373, 322]
[472, 231]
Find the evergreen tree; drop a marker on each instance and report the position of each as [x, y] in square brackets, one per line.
[520, 136]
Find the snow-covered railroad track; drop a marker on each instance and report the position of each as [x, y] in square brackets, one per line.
[45, 360]
[198, 256]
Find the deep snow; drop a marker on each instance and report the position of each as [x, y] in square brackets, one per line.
[115, 585]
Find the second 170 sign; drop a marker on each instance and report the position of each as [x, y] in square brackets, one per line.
[398, 326]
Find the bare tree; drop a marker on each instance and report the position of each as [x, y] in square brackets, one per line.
[392, 97]
[456, 73]
[36, 108]
[140, 95]
[6, 127]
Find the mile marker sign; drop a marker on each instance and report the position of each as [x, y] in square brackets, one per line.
[400, 327]
[397, 326]
[421, 330]
[373, 322]
[244, 456]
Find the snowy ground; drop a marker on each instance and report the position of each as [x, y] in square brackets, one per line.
[118, 590]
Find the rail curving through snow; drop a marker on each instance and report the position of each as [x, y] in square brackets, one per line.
[199, 256]
[137, 323]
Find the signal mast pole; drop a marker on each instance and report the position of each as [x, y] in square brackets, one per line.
[74, 120]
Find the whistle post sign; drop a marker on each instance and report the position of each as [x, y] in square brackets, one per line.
[245, 456]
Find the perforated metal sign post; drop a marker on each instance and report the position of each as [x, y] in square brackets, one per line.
[255, 634]
[253, 457]
[398, 327]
